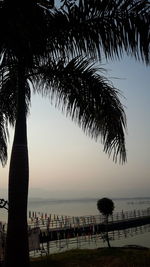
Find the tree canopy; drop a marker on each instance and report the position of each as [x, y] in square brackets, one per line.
[105, 206]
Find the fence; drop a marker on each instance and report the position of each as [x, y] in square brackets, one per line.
[55, 233]
[86, 241]
[51, 222]
[59, 233]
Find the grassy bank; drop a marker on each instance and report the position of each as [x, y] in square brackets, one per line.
[104, 257]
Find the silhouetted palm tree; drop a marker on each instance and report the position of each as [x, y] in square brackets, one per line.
[45, 48]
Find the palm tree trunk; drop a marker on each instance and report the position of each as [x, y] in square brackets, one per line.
[17, 251]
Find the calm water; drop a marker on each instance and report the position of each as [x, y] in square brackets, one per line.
[79, 207]
[82, 207]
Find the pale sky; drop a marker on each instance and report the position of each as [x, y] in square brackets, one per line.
[63, 159]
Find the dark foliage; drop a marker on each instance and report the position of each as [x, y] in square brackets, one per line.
[105, 206]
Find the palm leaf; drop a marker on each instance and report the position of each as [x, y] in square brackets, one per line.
[8, 90]
[95, 28]
[105, 27]
[89, 99]
[8, 102]
[3, 139]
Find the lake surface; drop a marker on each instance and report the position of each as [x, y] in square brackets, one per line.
[80, 207]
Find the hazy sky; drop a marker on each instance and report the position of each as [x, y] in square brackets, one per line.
[62, 158]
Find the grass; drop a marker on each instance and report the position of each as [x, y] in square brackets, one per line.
[103, 257]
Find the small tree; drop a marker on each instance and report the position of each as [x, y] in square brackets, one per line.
[106, 207]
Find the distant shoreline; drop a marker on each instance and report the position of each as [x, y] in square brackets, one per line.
[34, 199]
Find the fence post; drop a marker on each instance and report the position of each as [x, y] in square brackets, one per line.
[139, 213]
[123, 216]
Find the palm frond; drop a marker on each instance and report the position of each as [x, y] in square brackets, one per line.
[104, 27]
[3, 139]
[23, 28]
[8, 90]
[89, 99]
[94, 28]
[8, 103]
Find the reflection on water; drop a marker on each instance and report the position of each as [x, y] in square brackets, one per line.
[138, 236]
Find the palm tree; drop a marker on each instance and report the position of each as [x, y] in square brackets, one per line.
[48, 49]
[106, 207]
